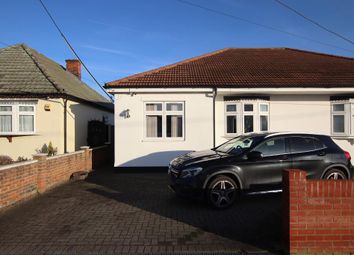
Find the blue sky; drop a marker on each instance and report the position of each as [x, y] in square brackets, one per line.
[117, 38]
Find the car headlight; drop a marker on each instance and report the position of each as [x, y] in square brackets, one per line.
[189, 172]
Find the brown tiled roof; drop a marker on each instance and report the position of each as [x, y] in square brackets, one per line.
[250, 68]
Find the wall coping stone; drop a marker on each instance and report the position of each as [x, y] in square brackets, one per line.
[100, 147]
[28, 162]
[64, 155]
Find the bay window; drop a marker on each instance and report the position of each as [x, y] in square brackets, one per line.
[164, 120]
[17, 117]
[245, 116]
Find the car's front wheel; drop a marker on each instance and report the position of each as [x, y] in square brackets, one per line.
[222, 192]
[335, 174]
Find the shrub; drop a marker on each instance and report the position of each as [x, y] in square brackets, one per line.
[21, 159]
[48, 149]
[5, 160]
[51, 150]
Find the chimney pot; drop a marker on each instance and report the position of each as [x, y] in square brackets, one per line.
[74, 67]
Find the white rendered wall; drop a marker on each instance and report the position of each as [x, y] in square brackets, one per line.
[293, 113]
[132, 150]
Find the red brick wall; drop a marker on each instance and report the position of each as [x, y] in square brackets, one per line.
[21, 181]
[318, 215]
[18, 183]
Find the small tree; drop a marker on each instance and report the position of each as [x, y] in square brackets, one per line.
[48, 149]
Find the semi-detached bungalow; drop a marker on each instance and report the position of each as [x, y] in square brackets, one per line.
[201, 102]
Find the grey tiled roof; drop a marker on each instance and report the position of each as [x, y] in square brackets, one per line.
[24, 71]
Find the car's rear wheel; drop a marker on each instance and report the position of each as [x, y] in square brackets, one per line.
[335, 174]
[222, 192]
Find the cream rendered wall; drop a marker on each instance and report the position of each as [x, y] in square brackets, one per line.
[77, 119]
[130, 147]
[48, 128]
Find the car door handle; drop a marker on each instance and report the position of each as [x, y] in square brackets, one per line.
[284, 157]
[321, 153]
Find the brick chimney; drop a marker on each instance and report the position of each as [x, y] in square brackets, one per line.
[74, 67]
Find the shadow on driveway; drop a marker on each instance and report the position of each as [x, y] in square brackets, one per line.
[254, 223]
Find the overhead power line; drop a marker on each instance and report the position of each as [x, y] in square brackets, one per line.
[73, 50]
[313, 21]
[260, 25]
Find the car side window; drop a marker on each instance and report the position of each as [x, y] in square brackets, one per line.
[271, 147]
[303, 144]
[319, 144]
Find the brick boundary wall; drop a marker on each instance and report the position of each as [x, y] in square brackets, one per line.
[318, 215]
[21, 181]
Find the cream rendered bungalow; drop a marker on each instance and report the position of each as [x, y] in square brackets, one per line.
[201, 102]
[42, 102]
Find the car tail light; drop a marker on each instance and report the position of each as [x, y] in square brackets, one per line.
[347, 155]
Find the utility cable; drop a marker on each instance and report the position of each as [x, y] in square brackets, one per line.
[73, 50]
[261, 25]
[313, 21]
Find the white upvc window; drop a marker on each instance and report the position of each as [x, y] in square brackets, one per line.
[232, 117]
[263, 116]
[164, 121]
[342, 118]
[246, 116]
[17, 118]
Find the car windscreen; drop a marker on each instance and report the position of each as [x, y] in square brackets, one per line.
[237, 145]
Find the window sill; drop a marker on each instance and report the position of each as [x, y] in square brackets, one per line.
[163, 140]
[230, 135]
[342, 137]
[17, 134]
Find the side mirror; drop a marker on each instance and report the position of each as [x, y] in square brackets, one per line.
[254, 155]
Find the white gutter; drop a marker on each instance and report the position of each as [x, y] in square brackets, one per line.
[225, 91]
[159, 90]
[273, 91]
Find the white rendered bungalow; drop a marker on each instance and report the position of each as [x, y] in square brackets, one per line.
[201, 102]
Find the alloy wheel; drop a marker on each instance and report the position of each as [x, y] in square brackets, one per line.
[336, 176]
[222, 193]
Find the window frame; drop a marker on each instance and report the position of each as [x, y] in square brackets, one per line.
[15, 113]
[240, 114]
[236, 114]
[347, 114]
[164, 113]
[263, 114]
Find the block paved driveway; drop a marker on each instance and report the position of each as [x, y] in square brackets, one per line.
[134, 212]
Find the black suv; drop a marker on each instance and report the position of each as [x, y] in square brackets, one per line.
[255, 162]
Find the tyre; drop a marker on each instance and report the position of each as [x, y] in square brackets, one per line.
[335, 174]
[222, 192]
